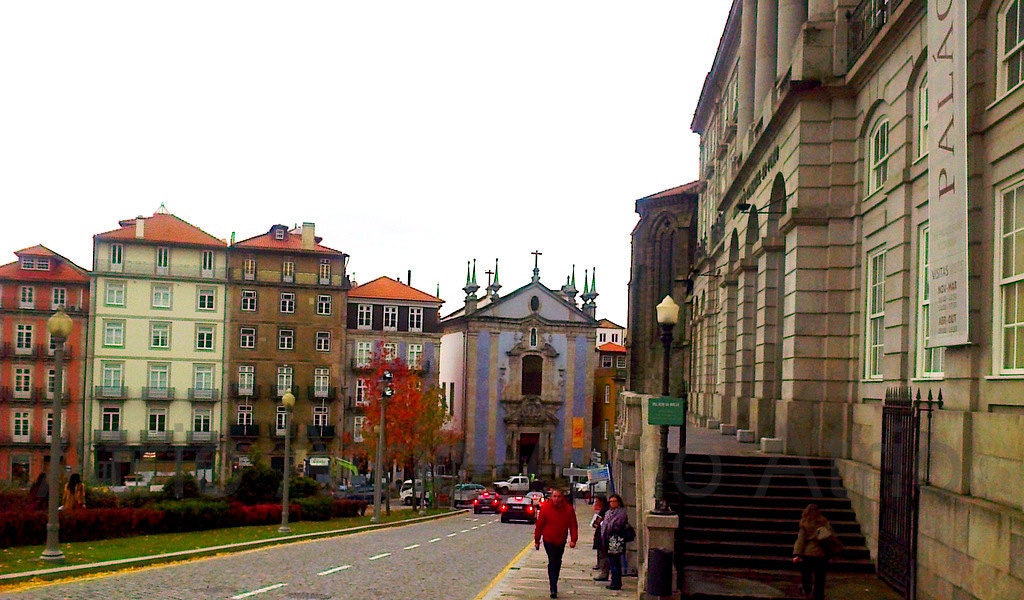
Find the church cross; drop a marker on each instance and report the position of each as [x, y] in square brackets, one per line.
[536, 271]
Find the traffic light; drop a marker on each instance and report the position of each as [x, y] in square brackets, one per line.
[387, 389]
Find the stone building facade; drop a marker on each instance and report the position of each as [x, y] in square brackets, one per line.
[827, 152]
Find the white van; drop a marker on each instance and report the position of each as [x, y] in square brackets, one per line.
[406, 493]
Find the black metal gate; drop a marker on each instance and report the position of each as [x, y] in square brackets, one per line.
[897, 507]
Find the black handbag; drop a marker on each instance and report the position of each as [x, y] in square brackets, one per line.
[628, 533]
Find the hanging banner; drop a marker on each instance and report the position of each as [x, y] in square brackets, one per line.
[947, 172]
[577, 432]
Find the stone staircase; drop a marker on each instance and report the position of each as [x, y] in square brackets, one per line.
[742, 511]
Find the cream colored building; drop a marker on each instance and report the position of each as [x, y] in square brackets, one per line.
[157, 350]
[810, 295]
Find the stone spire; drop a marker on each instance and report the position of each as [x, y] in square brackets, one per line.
[569, 289]
[590, 295]
[493, 288]
[471, 287]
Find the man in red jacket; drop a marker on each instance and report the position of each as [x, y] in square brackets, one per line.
[556, 523]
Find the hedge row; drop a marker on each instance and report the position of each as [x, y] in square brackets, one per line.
[28, 527]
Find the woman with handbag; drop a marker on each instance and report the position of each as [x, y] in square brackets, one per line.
[600, 509]
[815, 543]
[614, 529]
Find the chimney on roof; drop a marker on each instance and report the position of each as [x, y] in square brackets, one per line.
[308, 235]
[140, 228]
[408, 278]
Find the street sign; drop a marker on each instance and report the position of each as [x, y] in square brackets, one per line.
[574, 472]
[319, 461]
[665, 410]
[598, 474]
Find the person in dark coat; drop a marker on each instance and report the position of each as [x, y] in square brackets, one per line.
[809, 553]
[614, 524]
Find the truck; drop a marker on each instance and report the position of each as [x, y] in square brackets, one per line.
[519, 484]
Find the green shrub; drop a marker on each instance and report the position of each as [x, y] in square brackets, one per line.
[192, 514]
[316, 508]
[100, 496]
[135, 497]
[301, 486]
[256, 484]
[186, 481]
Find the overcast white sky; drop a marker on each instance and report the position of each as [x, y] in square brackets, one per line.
[415, 134]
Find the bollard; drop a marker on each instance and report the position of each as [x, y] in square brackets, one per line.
[659, 572]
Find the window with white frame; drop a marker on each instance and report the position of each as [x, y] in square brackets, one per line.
[389, 351]
[206, 270]
[27, 298]
[159, 334]
[1011, 279]
[358, 425]
[21, 430]
[615, 338]
[32, 263]
[59, 297]
[364, 353]
[279, 233]
[110, 420]
[249, 269]
[321, 382]
[321, 415]
[323, 304]
[161, 296]
[112, 378]
[206, 299]
[247, 338]
[390, 318]
[922, 117]
[23, 338]
[243, 414]
[201, 419]
[249, 300]
[113, 333]
[606, 361]
[49, 424]
[929, 360]
[325, 271]
[287, 302]
[604, 429]
[878, 156]
[51, 382]
[1011, 45]
[159, 379]
[288, 271]
[202, 381]
[114, 293]
[607, 393]
[364, 319]
[163, 260]
[415, 318]
[620, 362]
[285, 379]
[323, 341]
[361, 388]
[602, 337]
[116, 257]
[414, 354]
[246, 380]
[281, 422]
[285, 339]
[204, 337]
[22, 382]
[875, 326]
[157, 420]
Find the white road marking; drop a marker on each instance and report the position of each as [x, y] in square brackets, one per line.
[259, 591]
[335, 570]
[385, 555]
[464, 531]
[411, 547]
[476, 527]
[452, 534]
[434, 540]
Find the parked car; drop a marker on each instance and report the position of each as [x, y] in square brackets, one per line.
[465, 493]
[487, 501]
[364, 492]
[516, 484]
[520, 508]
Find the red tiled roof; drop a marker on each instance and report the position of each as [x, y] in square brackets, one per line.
[694, 187]
[61, 269]
[385, 288]
[292, 242]
[163, 228]
[610, 347]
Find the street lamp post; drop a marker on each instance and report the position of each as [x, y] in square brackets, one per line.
[386, 392]
[288, 401]
[668, 316]
[59, 326]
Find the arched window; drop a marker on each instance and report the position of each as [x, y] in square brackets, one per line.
[922, 118]
[1011, 45]
[878, 156]
[533, 337]
[533, 370]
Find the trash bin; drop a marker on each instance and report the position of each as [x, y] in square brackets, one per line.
[659, 572]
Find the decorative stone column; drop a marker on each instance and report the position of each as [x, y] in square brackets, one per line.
[745, 71]
[820, 10]
[792, 15]
[767, 43]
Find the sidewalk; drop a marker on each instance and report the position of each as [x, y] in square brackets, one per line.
[527, 576]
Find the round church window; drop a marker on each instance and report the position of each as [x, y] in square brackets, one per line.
[534, 303]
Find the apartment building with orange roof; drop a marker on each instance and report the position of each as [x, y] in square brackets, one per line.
[285, 332]
[157, 343]
[402, 322]
[32, 288]
[610, 376]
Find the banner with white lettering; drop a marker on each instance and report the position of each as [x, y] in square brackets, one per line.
[947, 172]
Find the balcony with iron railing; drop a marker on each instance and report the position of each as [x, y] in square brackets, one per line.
[280, 432]
[110, 436]
[164, 437]
[245, 391]
[320, 431]
[360, 365]
[203, 394]
[69, 352]
[150, 268]
[863, 23]
[201, 437]
[111, 392]
[245, 431]
[329, 393]
[158, 393]
[281, 390]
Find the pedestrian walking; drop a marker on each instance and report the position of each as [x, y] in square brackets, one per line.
[600, 508]
[555, 525]
[74, 493]
[616, 532]
[815, 543]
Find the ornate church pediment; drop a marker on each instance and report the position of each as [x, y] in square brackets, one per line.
[530, 339]
[529, 411]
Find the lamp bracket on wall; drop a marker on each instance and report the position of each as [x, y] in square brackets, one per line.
[744, 207]
[689, 281]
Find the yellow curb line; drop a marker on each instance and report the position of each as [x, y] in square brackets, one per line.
[500, 576]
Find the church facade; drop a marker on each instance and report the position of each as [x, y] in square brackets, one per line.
[518, 370]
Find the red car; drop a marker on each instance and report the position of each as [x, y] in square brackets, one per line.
[486, 501]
